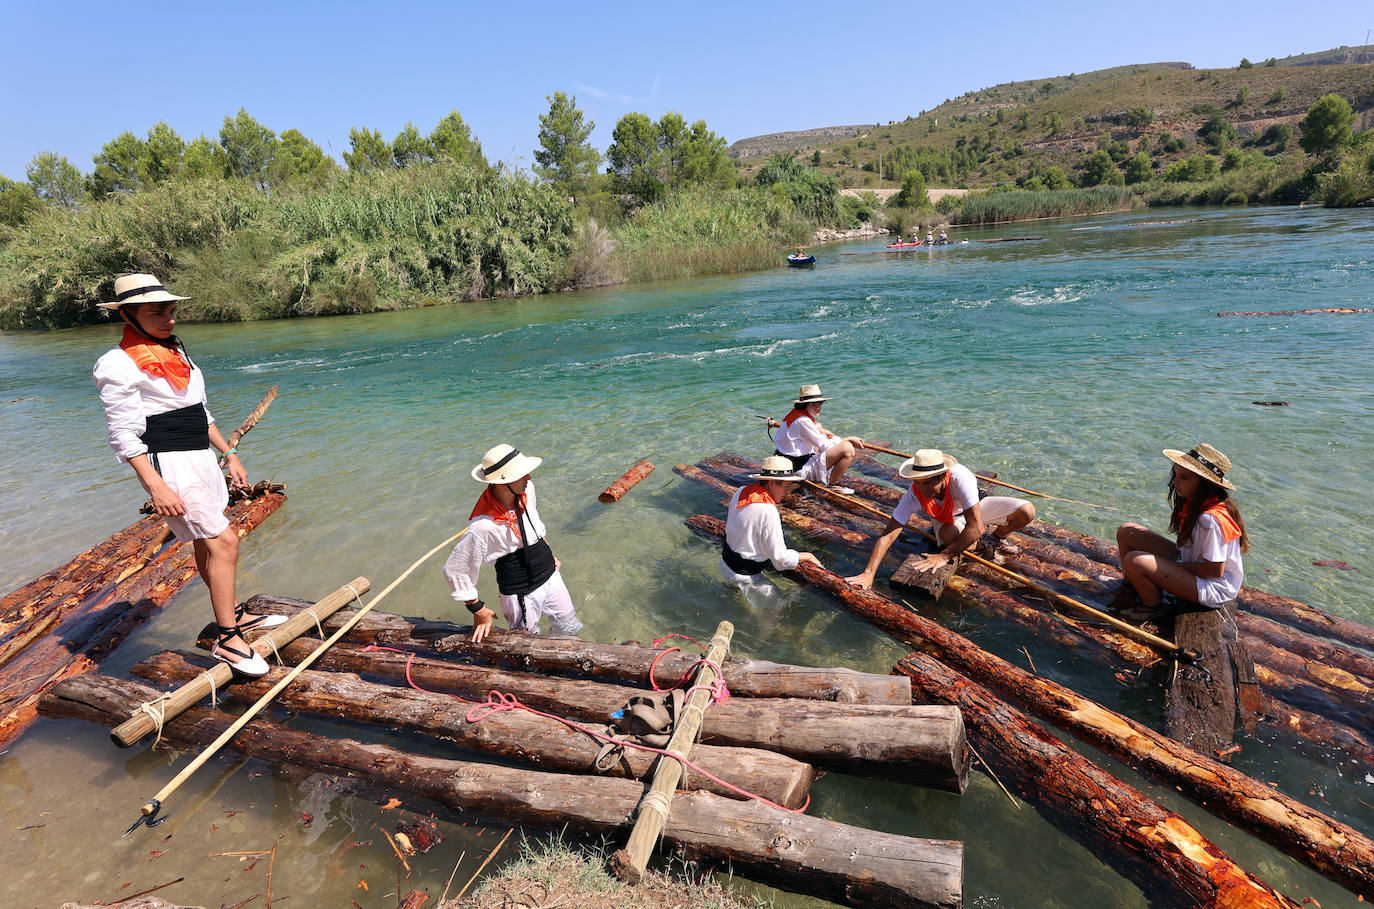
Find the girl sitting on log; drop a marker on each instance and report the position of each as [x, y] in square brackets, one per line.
[816, 453]
[505, 531]
[1204, 565]
[154, 399]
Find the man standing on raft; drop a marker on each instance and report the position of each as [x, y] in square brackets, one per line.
[154, 399]
[753, 530]
[816, 453]
[505, 531]
[947, 492]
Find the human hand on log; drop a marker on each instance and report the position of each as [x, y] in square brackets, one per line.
[803, 557]
[930, 562]
[861, 581]
[238, 477]
[481, 624]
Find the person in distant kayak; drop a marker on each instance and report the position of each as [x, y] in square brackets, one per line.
[816, 453]
[154, 400]
[947, 492]
[504, 530]
[1203, 563]
[930, 239]
[944, 238]
[753, 529]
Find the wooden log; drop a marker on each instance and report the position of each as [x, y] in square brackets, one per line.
[104, 619]
[1249, 699]
[1200, 703]
[653, 809]
[931, 581]
[629, 663]
[1336, 850]
[832, 861]
[143, 722]
[626, 482]
[914, 744]
[514, 734]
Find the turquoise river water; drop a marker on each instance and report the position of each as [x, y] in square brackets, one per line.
[1065, 364]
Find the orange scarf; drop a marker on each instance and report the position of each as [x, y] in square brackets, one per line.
[157, 360]
[487, 504]
[943, 510]
[753, 494]
[794, 414]
[1230, 530]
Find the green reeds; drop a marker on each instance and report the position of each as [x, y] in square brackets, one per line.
[1053, 203]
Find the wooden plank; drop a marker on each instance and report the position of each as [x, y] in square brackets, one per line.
[1200, 704]
[1249, 699]
[930, 581]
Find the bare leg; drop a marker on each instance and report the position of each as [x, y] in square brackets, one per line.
[217, 559]
[1015, 521]
[838, 457]
[1150, 563]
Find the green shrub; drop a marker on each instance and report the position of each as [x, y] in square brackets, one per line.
[1236, 198]
[1024, 206]
[1350, 184]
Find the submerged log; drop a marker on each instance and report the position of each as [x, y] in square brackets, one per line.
[627, 663]
[626, 482]
[914, 744]
[1200, 704]
[104, 619]
[833, 861]
[515, 734]
[1336, 850]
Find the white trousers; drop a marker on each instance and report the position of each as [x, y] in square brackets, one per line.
[196, 477]
[550, 599]
[995, 510]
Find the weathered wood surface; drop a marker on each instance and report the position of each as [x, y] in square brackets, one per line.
[931, 581]
[833, 861]
[916, 744]
[627, 663]
[105, 618]
[626, 482]
[1335, 849]
[514, 734]
[1200, 704]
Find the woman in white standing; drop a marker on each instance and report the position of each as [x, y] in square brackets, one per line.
[154, 399]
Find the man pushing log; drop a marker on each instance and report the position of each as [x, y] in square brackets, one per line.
[753, 530]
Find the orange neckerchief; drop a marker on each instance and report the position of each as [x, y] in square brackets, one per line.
[156, 360]
[487, 504]
[794, 414]
[1230, 530]
[753, 494]
[940, 511]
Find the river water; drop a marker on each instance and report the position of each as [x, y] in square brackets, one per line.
[1065, 364]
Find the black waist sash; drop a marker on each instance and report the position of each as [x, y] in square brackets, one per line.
[184, 429]
[798, 461]
[525, 570]
[738, 563]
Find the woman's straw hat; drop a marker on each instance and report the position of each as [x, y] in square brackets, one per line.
[927, 462]
[1205, 461]
[809, 394]
[504, 464]
[131, 289]
[775, 467]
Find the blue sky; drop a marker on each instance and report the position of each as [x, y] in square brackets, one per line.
[73, 75]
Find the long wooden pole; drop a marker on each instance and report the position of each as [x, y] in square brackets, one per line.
[629, 863]
[250, 421]
[150, 809]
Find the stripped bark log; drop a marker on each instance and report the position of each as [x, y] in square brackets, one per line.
[106, 617]
[1200, 704]
[1336, 850]
[515, 734]
[833, 861]
[626, 482]
[914, 744]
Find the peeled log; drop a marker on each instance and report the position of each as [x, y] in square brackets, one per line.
[516, 734]
[848, 865]
[626, 482]
[1336, 850]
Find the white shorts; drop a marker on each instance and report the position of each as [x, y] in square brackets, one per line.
[550, 599]
[196, 477]
[995, 509]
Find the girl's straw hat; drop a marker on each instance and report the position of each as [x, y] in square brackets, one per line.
[809, 394]
[131, 289]
[504, 464]
[775, 467]
[1205, 461]
[927, 462]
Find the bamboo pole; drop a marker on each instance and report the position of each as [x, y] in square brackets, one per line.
[629, 863]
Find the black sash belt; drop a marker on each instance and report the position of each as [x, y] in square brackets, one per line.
[738, 563]
[184, 429]
[525, 570]
[798, 461]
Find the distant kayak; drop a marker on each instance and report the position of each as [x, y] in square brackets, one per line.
[797, 261]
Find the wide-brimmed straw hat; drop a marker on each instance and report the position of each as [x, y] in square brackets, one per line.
[1205, 461]
[809, 394]
[927, 462]
[131, 289]
[776, 467]
[504, 464]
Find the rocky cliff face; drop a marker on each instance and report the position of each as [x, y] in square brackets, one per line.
[771, 144]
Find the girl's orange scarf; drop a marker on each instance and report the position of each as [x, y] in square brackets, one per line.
[1230, 530]
[156, 360]
[753, 494]
[487, 504]
[943, 510]
[794, 414]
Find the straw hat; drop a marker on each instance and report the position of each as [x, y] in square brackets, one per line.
[1205, 461]
[809, 394]
[927, 462]
[131, 289]
[504, 464]
[776, 467]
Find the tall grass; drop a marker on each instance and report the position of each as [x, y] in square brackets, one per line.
[1053, 203]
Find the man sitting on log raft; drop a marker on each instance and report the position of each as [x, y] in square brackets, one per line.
[505, 530]
[753, 530]
[816, 453]
[947, 492]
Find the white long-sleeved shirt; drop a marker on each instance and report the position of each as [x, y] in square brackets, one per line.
[131, 395]
[755, 532]
[484, 543]
[801, 437]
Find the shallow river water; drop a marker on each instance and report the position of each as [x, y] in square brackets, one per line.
[1065, 364]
